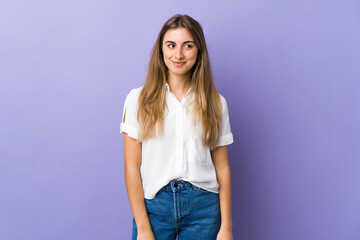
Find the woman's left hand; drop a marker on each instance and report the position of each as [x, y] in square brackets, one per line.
[224, 234]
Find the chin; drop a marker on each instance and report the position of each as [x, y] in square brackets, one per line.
[179, 72]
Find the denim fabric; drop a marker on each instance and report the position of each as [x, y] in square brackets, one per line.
[183, 210]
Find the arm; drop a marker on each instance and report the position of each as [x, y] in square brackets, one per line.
[132, 154]
[220, 159]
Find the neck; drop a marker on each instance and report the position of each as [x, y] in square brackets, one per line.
[178, 83]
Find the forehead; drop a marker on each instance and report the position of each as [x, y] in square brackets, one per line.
[178, 35]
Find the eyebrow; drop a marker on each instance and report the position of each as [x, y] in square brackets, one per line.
[183, 42]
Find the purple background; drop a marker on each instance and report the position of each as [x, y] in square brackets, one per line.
[290, 71]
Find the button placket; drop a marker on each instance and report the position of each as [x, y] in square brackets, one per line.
[179, 138]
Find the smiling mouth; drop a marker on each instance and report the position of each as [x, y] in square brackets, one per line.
[178, 63]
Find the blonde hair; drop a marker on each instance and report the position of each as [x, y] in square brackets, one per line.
[207, 105]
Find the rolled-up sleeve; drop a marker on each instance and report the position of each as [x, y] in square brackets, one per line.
[129, 123]
[226, 136]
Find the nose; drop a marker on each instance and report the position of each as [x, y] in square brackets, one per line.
[179, 53]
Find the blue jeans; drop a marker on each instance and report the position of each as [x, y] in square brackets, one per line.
[183, 210]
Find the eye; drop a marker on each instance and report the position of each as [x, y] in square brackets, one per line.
[188, 46]
[171, 45]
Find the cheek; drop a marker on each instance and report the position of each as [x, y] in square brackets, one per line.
[192, 55]
[167, 55]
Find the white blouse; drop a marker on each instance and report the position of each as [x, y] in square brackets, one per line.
[179, 153]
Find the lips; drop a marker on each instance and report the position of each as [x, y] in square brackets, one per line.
[178, 64]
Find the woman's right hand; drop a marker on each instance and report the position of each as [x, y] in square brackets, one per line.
[145, 235]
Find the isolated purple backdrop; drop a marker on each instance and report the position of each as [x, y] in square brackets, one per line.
[288, 69]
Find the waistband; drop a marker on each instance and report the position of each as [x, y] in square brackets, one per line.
[176, 185]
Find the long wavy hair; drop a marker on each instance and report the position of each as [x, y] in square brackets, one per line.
[207, 104]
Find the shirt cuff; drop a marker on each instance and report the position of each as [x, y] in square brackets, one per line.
[130, 130]
[225, 140]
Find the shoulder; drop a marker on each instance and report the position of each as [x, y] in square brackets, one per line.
[134, 94]
[222, 98]
[223, 102]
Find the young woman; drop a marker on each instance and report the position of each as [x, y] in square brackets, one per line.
[176, 131]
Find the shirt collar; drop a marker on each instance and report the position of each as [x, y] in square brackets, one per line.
[167, 87]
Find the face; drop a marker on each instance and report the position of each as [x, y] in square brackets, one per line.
[180, 52]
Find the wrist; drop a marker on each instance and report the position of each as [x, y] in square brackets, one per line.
[226, 226]
[145, 227]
